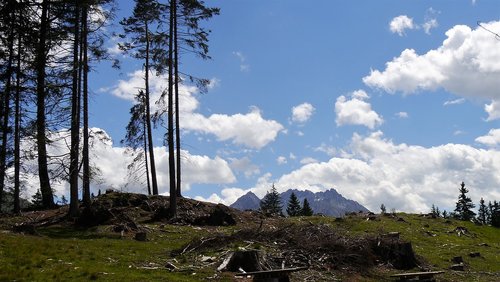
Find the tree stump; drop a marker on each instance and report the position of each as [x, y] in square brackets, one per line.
[457, 259]
[247, 261]
[141, 236]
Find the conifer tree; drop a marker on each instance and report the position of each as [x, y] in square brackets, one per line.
[36, 200]
[293, 207]
[495, 214]
[482, 215]
[271, 203]
[146, 42]
[383, 209]
[464, 205]
[306, 209]
[445, 214]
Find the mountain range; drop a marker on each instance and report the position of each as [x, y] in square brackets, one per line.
[328, 202]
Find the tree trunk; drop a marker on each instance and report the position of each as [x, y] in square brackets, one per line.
[148, 118]
[41, 62]
[17, 127]
[170, 127]
[5, 105]
[145, 148]
[85, 152]
[177, 111]
[75, 121]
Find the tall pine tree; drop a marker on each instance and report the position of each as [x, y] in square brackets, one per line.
[482, 215]
[145, 40]
[293, 207]
[306, 208]
[271, 203]
[464, 205]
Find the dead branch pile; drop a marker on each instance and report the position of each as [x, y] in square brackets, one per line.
[128, 209]
[314, 246]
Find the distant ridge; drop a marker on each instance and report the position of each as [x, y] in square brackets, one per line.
[329, 202]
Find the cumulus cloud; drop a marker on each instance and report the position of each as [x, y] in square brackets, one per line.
[492, 139]
[466, 64]
[401, 23]
[302, 113]
[112, 163]
[493, 110]
[409, 178]
[250, 129]
[356, 111]
[375, 170]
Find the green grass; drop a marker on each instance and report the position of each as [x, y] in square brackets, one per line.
[433, 240]
[60, 254]
[66, 254]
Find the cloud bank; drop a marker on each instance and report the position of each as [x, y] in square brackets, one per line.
[374, 170]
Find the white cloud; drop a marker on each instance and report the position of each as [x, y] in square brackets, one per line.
[356, 111]
[115, 50]
[493, 110]
[302, 113]
[402, 115]
[492, 139]
[244, 67]
[250, 129]
[408, 178]
[466, 64]
[328, 150]
[112, 163]
[308, 160]
[281, 160]
[401, 23]
[245, 165]
[454, 102]
[429, 24]
[430, 20]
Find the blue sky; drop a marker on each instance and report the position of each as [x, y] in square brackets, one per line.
[393, 102]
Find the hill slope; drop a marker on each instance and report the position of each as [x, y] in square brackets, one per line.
[340, 249]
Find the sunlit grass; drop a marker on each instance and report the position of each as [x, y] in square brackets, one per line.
[68, 254]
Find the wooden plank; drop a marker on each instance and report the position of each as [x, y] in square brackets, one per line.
[272, 271]
[417, 274]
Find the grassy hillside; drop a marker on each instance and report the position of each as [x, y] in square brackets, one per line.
[63, 252]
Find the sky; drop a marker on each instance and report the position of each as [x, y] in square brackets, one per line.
[393, 102]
